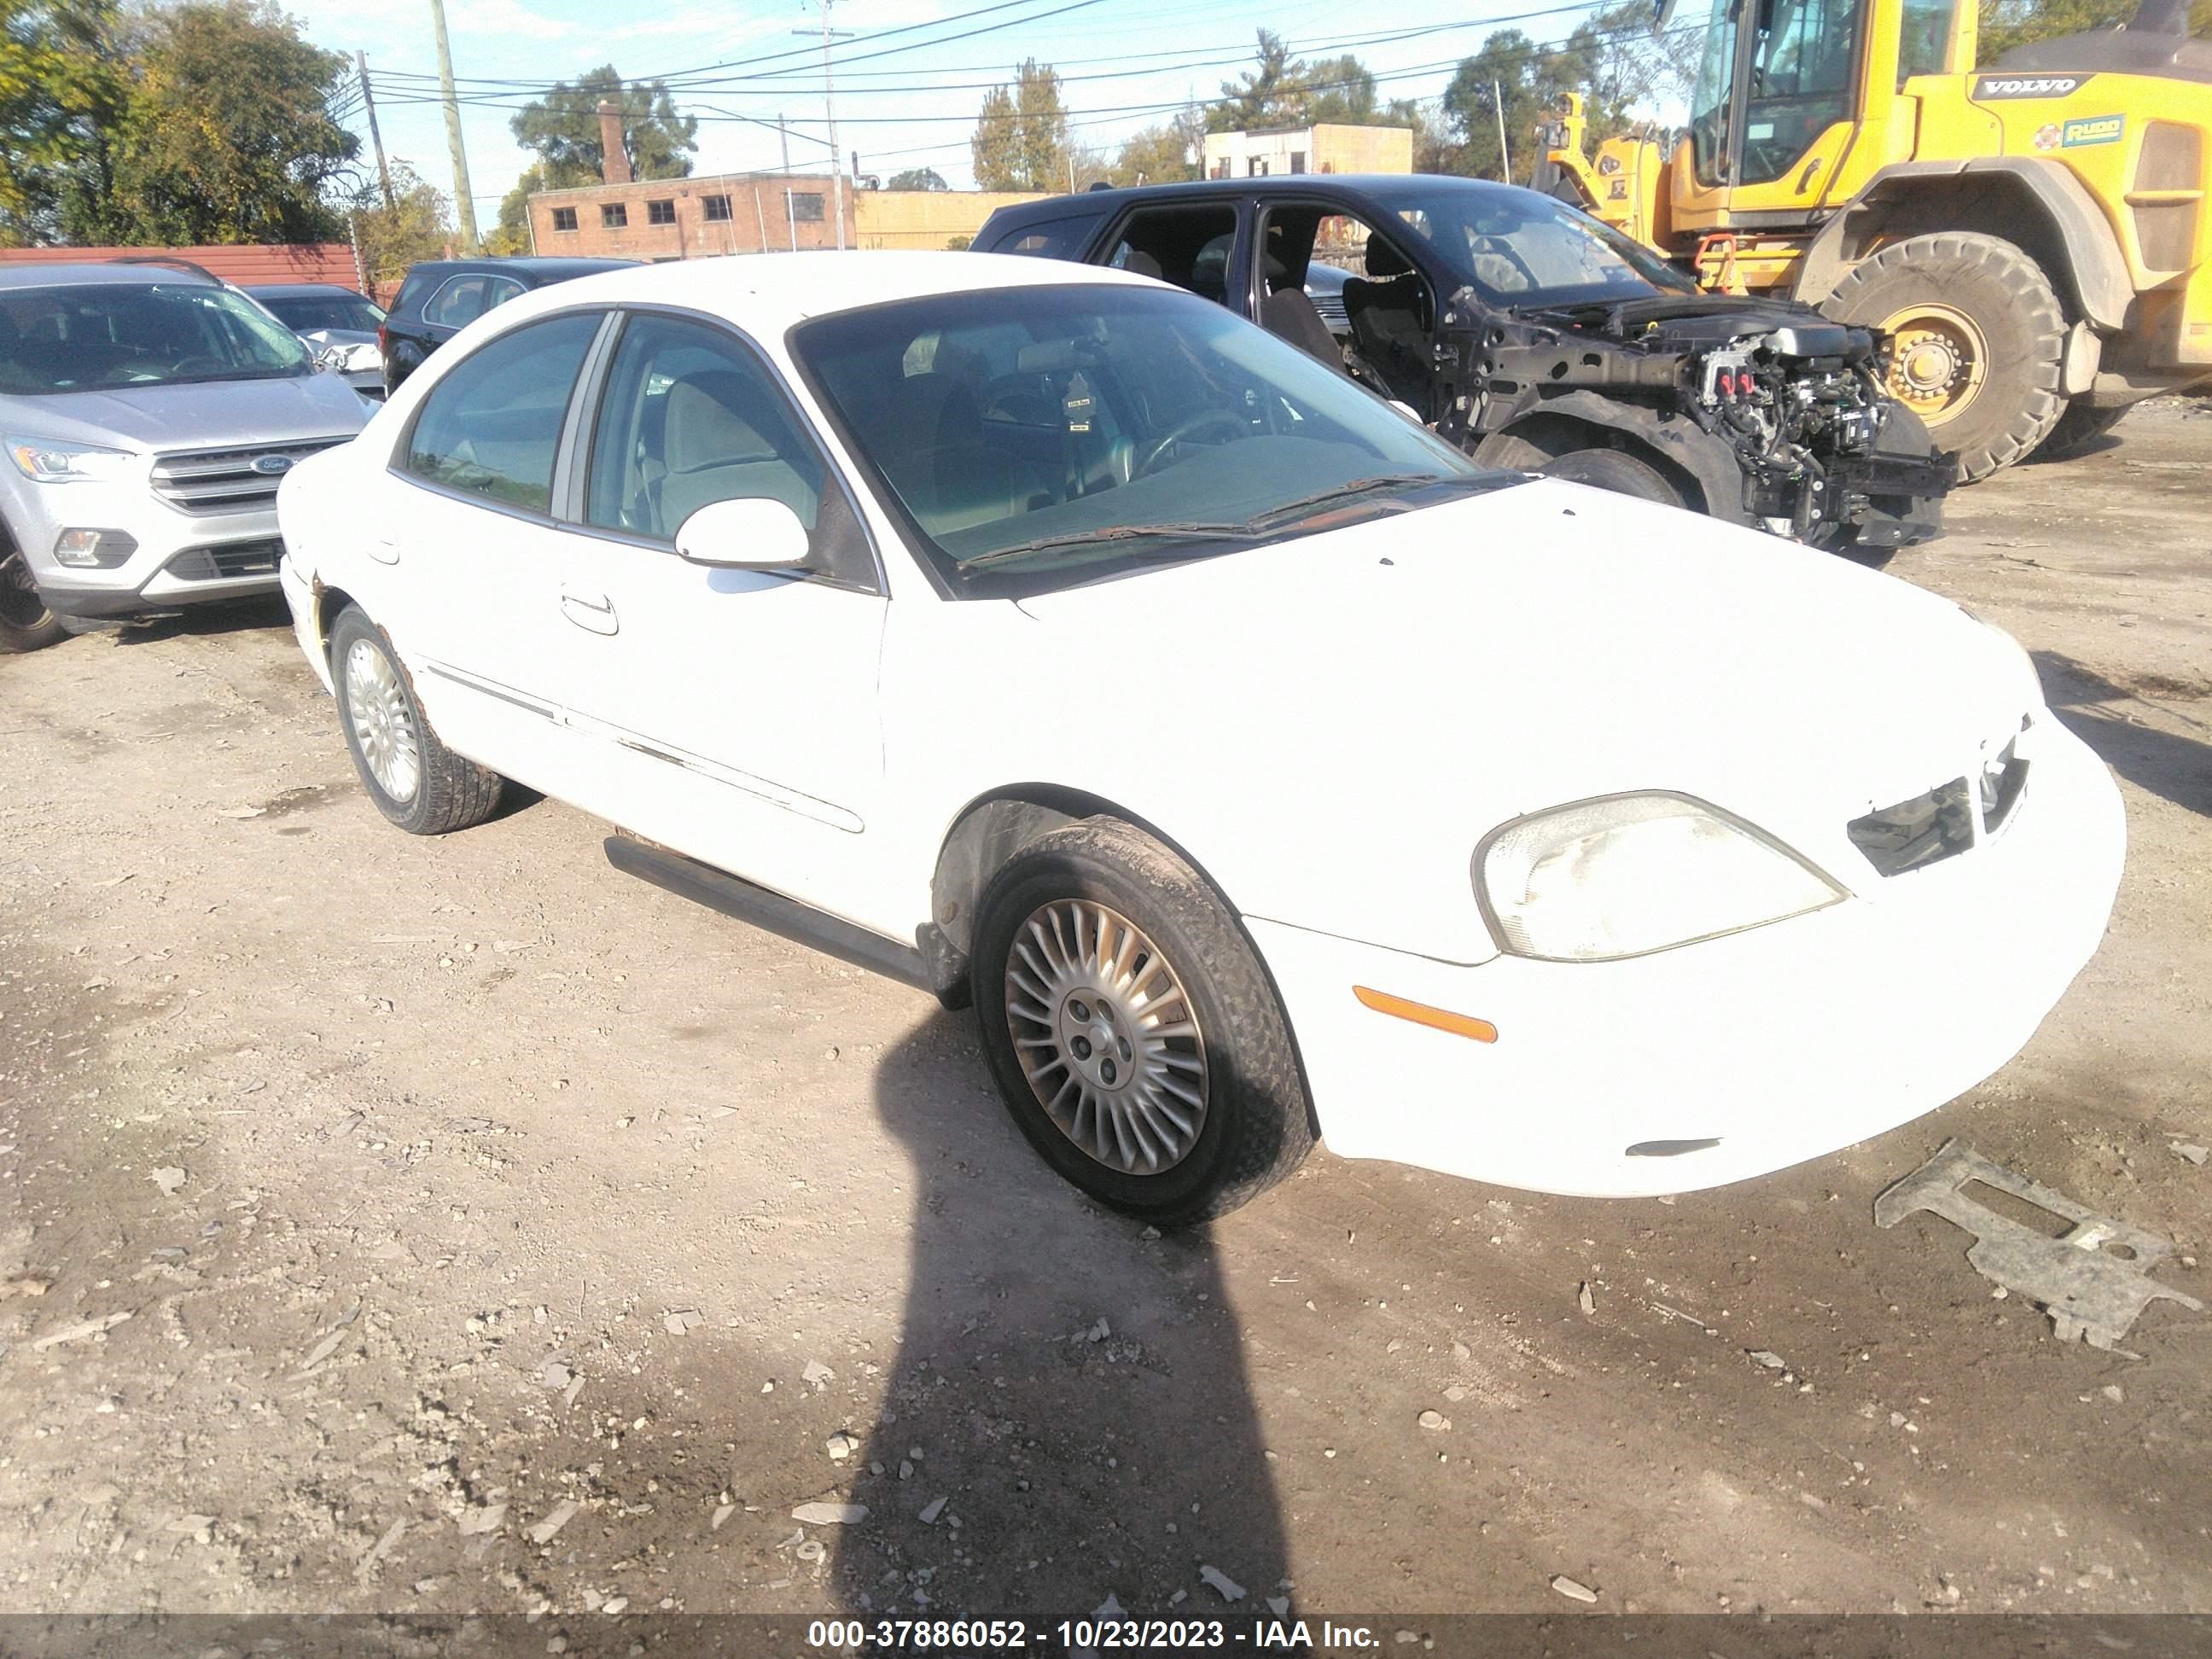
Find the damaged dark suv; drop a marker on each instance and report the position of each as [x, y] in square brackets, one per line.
[1536, 337]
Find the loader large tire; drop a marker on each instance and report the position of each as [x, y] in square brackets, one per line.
[2080, 430]
[1977, 338]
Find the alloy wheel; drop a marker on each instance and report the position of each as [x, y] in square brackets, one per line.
[383, 723]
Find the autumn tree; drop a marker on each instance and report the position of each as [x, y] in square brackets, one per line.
[561, 129]
[511, 234]
[1021, 137]
[417, 226]
[1164, 154]
[1281, 91]
[64, 76]
[918, 179]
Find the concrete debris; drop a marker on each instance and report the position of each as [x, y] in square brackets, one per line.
[1109, 1609]
[1434, 1420]
[683, 1321]
[722, 1512]
[1278, 1605]
[2093, 1280]
[555, 1373]
[2193, 1152]
[614, 1605]
[841, 1446]
[818, 1373]
[487, 1517]
[906, 1469]
[14, 1287]
[1585, 1299]
[1573, 1591]
[1100, 1332]
[322, 1351]
[559, 1517]
[382, 1548]
[830, 1515]
[241, 811]
[575, 1387]
[169, 1179]
[1224, 1586]
[84, 1328]
[2115, 1393]
[931, 1510]
[1765, 1357]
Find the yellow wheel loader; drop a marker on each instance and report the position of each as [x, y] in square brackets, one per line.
[2032, 235]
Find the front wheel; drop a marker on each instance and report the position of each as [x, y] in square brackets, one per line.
[1612, 469]
[25, 623]
[1133, 1032]
[415, 781]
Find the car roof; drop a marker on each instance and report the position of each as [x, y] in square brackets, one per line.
[1291, 184]
[769, 292]
[90, 274]
[524, 267]
[299, 290]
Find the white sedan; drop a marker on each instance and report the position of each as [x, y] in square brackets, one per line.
[1258, 767]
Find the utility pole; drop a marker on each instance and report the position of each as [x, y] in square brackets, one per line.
[784, 133]
[1505, 155]
[829, 108]
[375, 135]
[464, 203]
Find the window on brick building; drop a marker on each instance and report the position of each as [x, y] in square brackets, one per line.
[614, 215]
[718, 208]
[806, 206]
[564, 218]
[661, 213]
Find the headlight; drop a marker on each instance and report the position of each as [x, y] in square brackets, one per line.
[60, 463]
[1631, 874]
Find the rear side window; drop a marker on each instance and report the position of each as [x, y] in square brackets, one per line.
[1049, 239]
[412, 293]
[460, 301]
[490, 427]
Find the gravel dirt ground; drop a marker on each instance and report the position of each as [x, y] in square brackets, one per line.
[458, 1225]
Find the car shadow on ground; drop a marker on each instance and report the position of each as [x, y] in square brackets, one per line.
[231, 616]
[1073, 1390]
[2096, 710]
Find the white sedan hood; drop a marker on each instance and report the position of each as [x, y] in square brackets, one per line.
[1380, 697]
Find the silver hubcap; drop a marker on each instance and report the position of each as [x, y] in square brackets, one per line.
[1106, 1036]
[383, 724]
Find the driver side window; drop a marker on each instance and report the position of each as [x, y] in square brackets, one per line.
[1801, 74]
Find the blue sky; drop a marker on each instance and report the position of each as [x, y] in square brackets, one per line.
[914, 106]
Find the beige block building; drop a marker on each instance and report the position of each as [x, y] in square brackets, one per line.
[1272, 152]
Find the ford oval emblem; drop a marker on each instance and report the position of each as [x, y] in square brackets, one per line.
[273, 464]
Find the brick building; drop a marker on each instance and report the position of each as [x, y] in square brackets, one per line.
[691, 218]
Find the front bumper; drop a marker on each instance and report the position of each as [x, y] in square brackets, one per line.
[1732, 1058]
[181, 559]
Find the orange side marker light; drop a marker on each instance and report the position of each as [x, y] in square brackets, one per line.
[1420, 1013]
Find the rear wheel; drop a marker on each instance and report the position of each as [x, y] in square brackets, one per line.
[1134, 1035]
[2080, 430]
[415, 781]
[1612, 469]
[26, 624]
[1977, 340]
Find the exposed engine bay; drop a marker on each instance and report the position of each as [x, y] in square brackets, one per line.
[1821, 451]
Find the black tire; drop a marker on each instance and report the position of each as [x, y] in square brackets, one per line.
[2009, 301]
[2080, 430]
[1613, 469]
[1257, 1124]
[26, 624]
[451, 793]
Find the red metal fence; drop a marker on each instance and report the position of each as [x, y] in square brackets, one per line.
[246, 265]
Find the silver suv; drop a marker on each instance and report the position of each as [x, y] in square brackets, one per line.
[148, 417]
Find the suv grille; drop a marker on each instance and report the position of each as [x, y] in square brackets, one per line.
[1939, 824]
[209, 564]
[224, 480]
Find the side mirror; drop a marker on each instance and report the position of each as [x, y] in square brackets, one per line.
[754, 533]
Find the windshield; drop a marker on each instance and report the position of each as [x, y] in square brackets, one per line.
[78, 339]
[1519, 249]
[1042, 436]
[304, 313]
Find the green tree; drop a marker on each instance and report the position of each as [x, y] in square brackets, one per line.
[1160, 155]
[64, 81]
[226, 135]
[1021, 140]
[417, 226]
[1529, 80]
[918, 179]
[511, 234]
[562, 129]
[1281, 91]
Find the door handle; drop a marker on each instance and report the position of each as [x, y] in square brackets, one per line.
[385, 549]
[594, 611]
[1805, 179]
